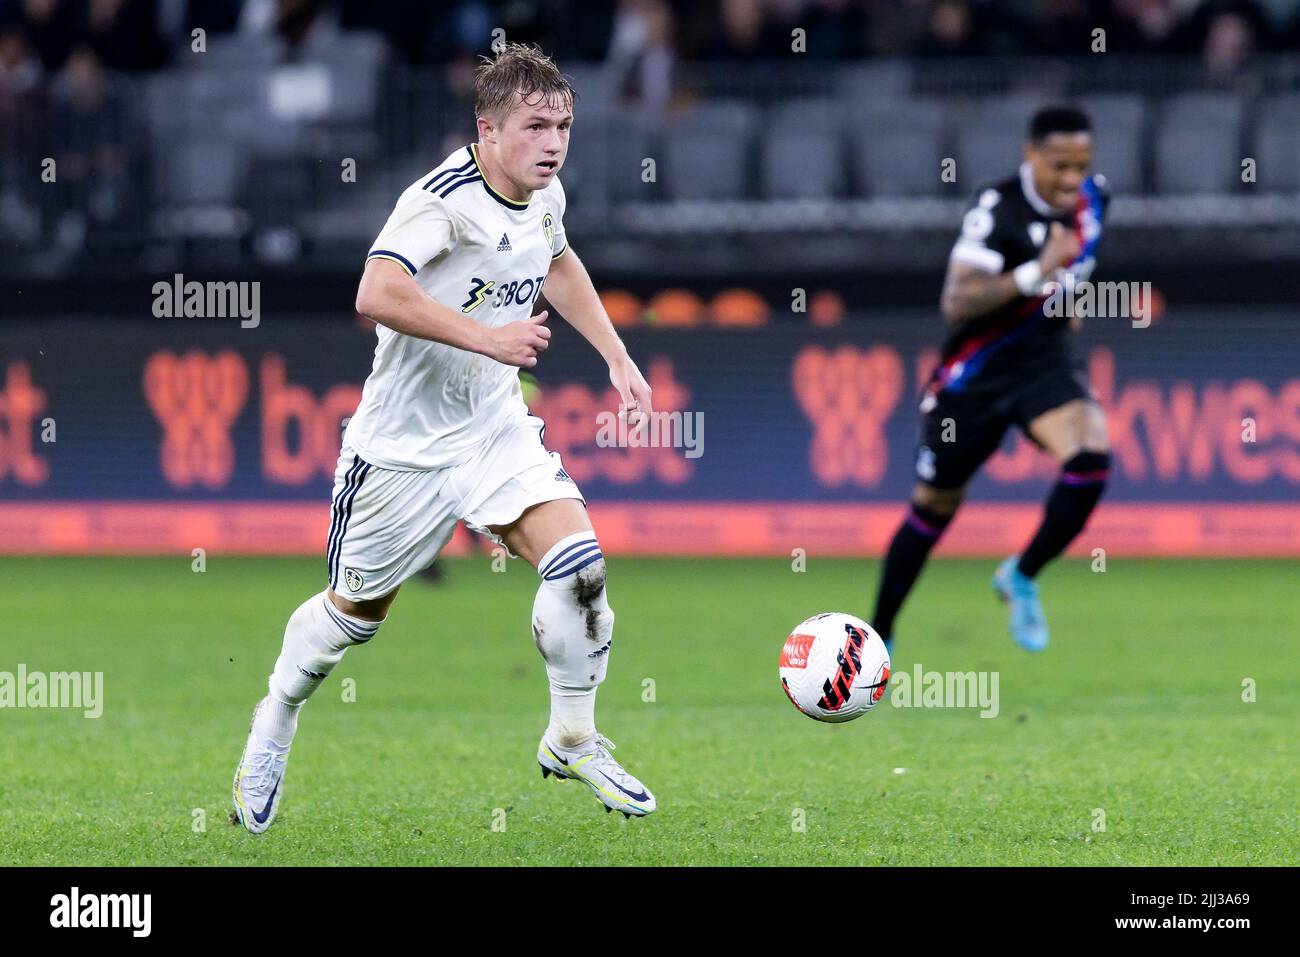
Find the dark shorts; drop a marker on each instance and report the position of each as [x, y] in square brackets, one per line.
[960, 430]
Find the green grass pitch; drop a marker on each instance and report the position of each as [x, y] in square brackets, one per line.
[1133, 719]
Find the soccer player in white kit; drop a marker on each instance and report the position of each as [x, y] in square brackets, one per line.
[442, 433]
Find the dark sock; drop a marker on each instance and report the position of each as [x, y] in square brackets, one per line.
[1072, 500]
[903, 563]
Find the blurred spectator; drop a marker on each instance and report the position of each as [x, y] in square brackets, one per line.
[90, 135]
[1192, 35]
[641, 53]
[20, 71]
[62, 94]
[464, 29]
[950, 31]
[1229, 42]
[177, 18]
[736, 30]
[833, 29]
[22, 110]
[407, 24]
[896, 26]
[1059, 28]
[300, 24]
[1142, 26]
[124, 34]
[579, 30]
[52, 27]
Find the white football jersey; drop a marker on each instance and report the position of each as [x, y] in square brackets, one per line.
[427, 405]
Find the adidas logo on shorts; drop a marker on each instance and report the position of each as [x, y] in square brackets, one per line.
[504, 245]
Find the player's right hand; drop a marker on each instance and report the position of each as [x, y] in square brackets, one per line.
[1061, 249]
[520, 343]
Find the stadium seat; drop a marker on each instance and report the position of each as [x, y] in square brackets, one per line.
[162, 95]
[897, 147]
[232, 52]
[803, 151]
[991, 138]
[586, 174]
[201, 171]
[1277, 144]
[178, 105]
[275, 190]
[706, 165]
[809, 113]
[707, 151]
[630, 140]
[802, 165]
[1198, 148]
[1119, 123]
[354, 60]
[877, 81]
[594, 88]
[184, 99]
[363, 47]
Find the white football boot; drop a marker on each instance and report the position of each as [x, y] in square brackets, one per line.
[258, 780]
[596, 768]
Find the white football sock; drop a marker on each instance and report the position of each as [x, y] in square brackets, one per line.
[314, 641]
[278, 721]
[573, 627]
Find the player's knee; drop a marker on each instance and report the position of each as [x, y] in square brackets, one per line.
[942, 501]
[1088, 467]
[1084, 432]
[369, 609]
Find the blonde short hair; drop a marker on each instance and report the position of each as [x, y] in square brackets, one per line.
[518, 69]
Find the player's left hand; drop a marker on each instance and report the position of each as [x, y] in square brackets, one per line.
[634, 405]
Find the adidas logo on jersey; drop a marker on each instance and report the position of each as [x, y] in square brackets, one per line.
[563, 476]
[504, 245]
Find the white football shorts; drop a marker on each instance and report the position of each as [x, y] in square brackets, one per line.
[387, 525]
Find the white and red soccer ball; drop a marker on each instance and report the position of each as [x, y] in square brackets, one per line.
[834, 667]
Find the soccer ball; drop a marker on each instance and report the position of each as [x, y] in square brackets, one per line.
[834, 667]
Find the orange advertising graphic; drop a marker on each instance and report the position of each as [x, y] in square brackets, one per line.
[234, 430]
[1160, 432]
[20, 403]
[316, 423]
[570, 411]
[196, 398]
[848, 395]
